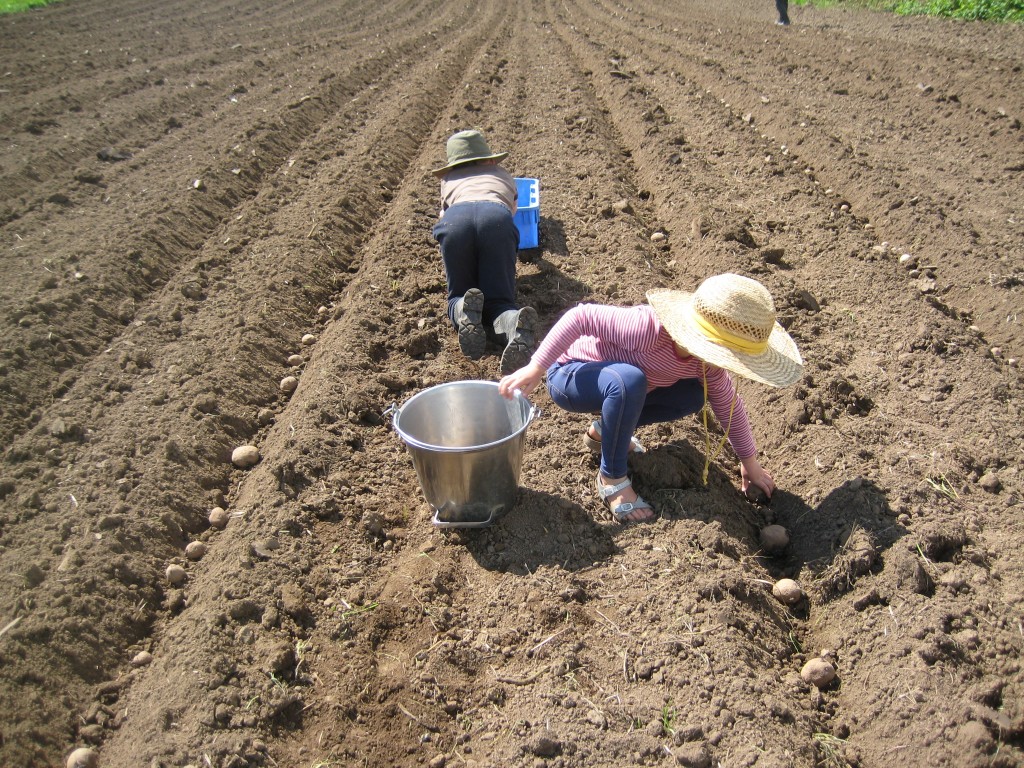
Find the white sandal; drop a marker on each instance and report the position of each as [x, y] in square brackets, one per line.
[622, 510]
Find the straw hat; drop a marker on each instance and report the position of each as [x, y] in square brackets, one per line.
[465, 147]
[729, 321]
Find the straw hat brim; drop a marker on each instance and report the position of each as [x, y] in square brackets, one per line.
[778, 366]
[457, 163]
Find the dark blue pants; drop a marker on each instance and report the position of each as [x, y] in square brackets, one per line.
[619, 392]
[479, 243]
[782, 6]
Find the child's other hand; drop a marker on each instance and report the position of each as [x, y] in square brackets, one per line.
[525, 380]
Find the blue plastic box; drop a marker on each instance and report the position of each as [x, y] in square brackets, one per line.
[528, 213]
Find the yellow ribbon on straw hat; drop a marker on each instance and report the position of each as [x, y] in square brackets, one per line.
[725, 338]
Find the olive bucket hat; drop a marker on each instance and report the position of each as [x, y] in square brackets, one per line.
[729, 322]
[465, 147]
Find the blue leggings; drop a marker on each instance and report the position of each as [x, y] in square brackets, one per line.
[479, 242]
[619, 392]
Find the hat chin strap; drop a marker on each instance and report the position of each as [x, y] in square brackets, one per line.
[710, 455]
[725, 338]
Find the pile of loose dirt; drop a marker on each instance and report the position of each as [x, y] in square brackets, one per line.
[198, 202]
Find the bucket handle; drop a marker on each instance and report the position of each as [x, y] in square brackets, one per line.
[393, 411]
[535, 411]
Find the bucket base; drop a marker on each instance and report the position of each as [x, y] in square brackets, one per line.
[469, 520]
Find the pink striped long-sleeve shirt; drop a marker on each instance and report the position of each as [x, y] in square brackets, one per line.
[596, 332]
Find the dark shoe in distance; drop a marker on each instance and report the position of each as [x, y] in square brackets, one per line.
[469, 316]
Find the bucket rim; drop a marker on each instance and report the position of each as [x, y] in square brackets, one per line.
[408, 439]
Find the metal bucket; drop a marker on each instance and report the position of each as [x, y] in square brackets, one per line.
[466, 442]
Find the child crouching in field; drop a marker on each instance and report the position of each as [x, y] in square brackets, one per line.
[659, 362]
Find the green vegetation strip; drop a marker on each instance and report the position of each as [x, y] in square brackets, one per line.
[968, 10]
[13, 6]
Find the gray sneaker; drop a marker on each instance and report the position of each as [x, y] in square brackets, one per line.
[522, 343]
[469, 316]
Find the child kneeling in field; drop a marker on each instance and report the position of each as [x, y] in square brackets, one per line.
[479, 242]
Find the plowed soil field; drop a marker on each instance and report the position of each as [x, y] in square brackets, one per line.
[200, 200]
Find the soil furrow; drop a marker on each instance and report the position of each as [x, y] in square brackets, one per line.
[229, 175]
[163, 98]
[150, 357]
[885, 196]
[301, 473]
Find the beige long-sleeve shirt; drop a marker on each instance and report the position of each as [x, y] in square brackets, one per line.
[478, 183]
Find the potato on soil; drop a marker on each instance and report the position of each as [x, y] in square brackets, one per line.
[787, 591]
[83, 757]
[142, 659]
[175, 575]
[195, 550]
[818, 673]
[289, 384]
[245, 456]
[218, 518]
[774, 538]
